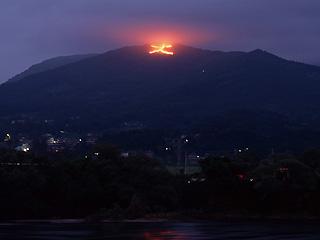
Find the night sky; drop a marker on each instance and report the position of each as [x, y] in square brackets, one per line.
[34, 30]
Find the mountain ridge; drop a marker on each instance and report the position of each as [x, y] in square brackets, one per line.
[50, 64]
[129, 84]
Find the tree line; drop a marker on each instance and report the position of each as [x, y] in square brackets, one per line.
[102, 184]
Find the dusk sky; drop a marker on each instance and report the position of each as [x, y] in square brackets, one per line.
[34, 30]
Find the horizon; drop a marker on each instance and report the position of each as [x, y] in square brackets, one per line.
[36, 31]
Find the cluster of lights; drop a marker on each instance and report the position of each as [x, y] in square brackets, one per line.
[242, 150]
[196, 179]
[26, 149]
[23, 148]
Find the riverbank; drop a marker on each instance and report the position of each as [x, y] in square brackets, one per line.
[173, 217]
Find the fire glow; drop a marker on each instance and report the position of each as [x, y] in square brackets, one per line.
[162, 49]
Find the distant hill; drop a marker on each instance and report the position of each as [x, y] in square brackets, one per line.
[129, 85]
[50, 64]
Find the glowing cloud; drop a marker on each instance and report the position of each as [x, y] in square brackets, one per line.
[161, 49]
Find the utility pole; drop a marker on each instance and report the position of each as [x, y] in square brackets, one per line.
[185, 163]
[179, 153]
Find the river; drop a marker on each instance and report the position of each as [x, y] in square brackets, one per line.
[162, 230]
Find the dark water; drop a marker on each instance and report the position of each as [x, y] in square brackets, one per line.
[160, 231]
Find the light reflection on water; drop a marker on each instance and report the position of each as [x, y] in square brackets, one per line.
[163, 231]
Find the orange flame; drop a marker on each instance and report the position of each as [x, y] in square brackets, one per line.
[161, 49]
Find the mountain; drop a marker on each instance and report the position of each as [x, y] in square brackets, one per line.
[129, 85]
[49, 65]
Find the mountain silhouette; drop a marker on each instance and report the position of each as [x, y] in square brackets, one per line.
[194, 85]
[50, 64]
